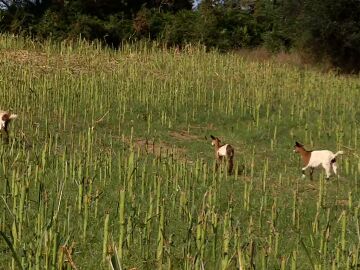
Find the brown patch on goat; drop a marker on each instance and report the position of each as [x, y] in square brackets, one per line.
[305, 155]
[6, 117]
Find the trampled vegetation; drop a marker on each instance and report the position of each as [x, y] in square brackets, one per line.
[110, 160]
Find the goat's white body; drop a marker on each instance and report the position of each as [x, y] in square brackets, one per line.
[222, 151]
[325, 159]
[2, 124]
[320, 157]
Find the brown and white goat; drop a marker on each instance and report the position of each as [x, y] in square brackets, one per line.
[313, 159]
[223, 151]
[5, 119]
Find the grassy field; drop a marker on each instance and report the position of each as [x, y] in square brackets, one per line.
[110, 161]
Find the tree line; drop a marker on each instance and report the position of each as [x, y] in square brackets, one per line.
[325, 30]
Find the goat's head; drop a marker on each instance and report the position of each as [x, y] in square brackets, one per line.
[215, 140]
[298, 147]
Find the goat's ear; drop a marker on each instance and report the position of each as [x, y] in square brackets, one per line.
[298, 144]
[212, 137]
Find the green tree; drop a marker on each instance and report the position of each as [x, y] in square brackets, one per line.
[331, 30]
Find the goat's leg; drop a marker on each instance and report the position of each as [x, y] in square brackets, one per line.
[5, 135]
[311, 173]
[326, 166]
[218, 162]
[334, 167]
[230, 165]
[303, 172]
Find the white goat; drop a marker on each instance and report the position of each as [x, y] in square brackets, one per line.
[313, 159]
[5, 119]
[223, 151]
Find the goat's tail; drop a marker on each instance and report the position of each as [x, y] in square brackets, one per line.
[333, 160]
[338, 153]
[13, 116]
[231, 165]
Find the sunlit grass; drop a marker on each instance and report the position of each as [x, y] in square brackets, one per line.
[109, 160]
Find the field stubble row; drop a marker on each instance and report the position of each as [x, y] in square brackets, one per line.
[108, 161]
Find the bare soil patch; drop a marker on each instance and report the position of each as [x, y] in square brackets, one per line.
[342, 202]
[184, 136]
[158, 148]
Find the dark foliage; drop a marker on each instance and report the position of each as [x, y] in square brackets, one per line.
[332, 31]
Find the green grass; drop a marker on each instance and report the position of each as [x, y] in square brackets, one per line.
[79, 144]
